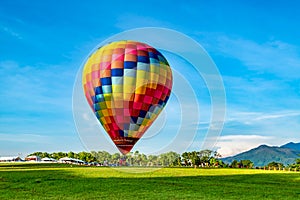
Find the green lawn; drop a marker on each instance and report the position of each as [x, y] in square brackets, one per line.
[54, 181]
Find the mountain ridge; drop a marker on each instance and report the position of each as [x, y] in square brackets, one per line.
[292, 145]
[264, 154]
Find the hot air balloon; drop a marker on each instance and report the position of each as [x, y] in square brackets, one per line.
[127, 84]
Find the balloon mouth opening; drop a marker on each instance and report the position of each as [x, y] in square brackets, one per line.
[125, 144]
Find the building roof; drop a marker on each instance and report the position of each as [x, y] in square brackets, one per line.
[9, 157]
[48, 159]
[65, 159]
[34, 156]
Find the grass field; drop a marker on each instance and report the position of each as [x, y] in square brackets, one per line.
[58, 181]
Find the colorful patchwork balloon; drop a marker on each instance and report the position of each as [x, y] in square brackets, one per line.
[126, 84]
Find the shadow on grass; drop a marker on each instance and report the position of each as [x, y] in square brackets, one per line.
[65, 184]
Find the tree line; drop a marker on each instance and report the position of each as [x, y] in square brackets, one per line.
[203, 158]
[277, 165]
[106, 159]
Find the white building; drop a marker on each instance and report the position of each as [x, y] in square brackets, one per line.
[71, 161]
[33, 158]
[48, 160]
[10, 159]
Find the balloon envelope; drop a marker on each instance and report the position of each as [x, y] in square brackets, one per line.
[126, 84]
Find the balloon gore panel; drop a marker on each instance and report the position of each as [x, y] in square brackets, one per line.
[126, 84]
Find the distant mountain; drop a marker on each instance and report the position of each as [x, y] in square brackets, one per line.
[292, 145]
[264, 154]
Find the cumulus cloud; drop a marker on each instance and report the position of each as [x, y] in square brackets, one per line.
[230, 145]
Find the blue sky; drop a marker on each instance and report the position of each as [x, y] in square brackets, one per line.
[255, 45]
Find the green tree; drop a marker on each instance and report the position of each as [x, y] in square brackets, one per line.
[186, 158]
[195, 159]
[213, 162]
[71, 154]
[82, 155]
[144, 160]
[234, 164]
[205, 156]
[115, 158]
[85, 156]
[136, 158]
[296, 165]
[152, 160]
[103, 157]
[36, 154]
[246, 164]
[130, 159]
[275, 165]
[58, 155]
[90, 158]
[45, 155]
[167, 159]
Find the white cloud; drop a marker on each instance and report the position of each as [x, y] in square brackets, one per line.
[24, 144]
[252, 85]
[278, 115]
[233, 144]
[274, 127]
[129, 21]
[277, 123]
[38, 87]
[256, 117]
[273, 56]
[24, 138]
[11, 32]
